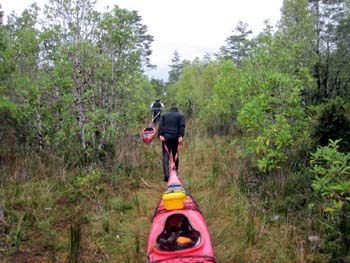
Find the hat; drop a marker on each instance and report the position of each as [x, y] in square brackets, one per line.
[174, 108]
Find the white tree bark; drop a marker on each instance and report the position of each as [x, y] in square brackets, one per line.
[78, 94]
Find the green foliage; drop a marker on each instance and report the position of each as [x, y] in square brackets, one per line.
[263, 99]
[74, 89]
[222, 108]
[119, 204]
[331, 169]
[297, 36]
[194, 88]
[238, 45]
[272, 117]
[176, 68]
[332, 66]
[88, 180]
[79, 85]
[6, 105]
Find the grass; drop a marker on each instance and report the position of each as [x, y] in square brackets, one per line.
[239, 228]
[104, 215]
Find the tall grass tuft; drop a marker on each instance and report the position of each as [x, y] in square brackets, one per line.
[138, 251]
[250, 230]
[137, 204]
[75, 238]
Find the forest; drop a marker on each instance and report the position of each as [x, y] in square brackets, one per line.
[266, 151]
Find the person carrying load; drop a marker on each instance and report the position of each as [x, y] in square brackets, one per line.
[171, 131]
[156, 107]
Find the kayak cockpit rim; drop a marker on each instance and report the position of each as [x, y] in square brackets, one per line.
[177, 234]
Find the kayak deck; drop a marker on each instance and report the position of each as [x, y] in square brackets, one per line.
[201, 250]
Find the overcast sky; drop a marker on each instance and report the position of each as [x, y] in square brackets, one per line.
[192, 27]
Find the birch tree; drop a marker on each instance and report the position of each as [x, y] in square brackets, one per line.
[24, 51]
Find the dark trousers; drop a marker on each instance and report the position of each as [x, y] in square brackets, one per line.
[172, 147]
[156, 116]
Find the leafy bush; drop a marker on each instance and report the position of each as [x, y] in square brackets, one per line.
[331, 169]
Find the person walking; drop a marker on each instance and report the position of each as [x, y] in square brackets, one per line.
[171, 131]
[156, 107]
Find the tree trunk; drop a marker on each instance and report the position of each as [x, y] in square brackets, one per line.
[39, 126]
[2, 213]
[78, 93]
[79, 105]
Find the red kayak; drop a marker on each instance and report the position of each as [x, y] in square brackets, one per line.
[178, 232]
[148, 134]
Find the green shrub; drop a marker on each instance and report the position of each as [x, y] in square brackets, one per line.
[331, 170]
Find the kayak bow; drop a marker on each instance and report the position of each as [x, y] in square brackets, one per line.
[194, 245]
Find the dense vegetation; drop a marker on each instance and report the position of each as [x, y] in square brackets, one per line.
[267, 149]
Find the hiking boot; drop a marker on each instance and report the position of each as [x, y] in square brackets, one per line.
[166, 178]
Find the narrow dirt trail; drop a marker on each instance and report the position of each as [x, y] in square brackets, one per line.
[195, 170]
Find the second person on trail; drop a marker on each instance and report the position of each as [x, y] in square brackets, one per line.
[171, 131]
[156, 108]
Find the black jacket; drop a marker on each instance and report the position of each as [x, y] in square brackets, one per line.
[157, 106]
[171, 124]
